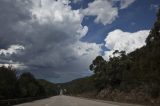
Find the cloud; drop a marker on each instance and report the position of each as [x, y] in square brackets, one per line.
[14, 65]
[6, 55]
[11, 12]
[84, 48]
[154, 7]
[51, 32]
[125, 3]
[124, 41]
[104, 11]
[76, 1]
[13, 49]
[54, 12]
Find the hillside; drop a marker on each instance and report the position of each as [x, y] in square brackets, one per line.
[79, 86]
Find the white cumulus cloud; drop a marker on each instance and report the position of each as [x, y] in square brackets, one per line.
[124, 41]
[60, 15]
[104, 11]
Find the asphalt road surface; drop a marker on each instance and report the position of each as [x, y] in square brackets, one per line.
[71, 101]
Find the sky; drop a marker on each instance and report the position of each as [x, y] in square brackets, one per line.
[57, 40]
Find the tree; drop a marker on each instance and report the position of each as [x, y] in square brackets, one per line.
[154, 36]
[29, 86]
[98, 66]
[7, 82]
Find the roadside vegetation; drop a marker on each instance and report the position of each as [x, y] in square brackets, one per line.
[23, 86]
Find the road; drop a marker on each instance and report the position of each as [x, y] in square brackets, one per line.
[71, 101]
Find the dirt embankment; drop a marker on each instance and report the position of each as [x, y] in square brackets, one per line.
[134, 96]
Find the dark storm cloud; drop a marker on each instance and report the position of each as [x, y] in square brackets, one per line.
[50, 40]
[10, 13]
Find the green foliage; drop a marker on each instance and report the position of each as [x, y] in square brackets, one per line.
[98, 65]
[25, 85]
[7, 82]
[109, 73]
[29, 86]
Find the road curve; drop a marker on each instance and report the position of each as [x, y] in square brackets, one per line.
[71, 101]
